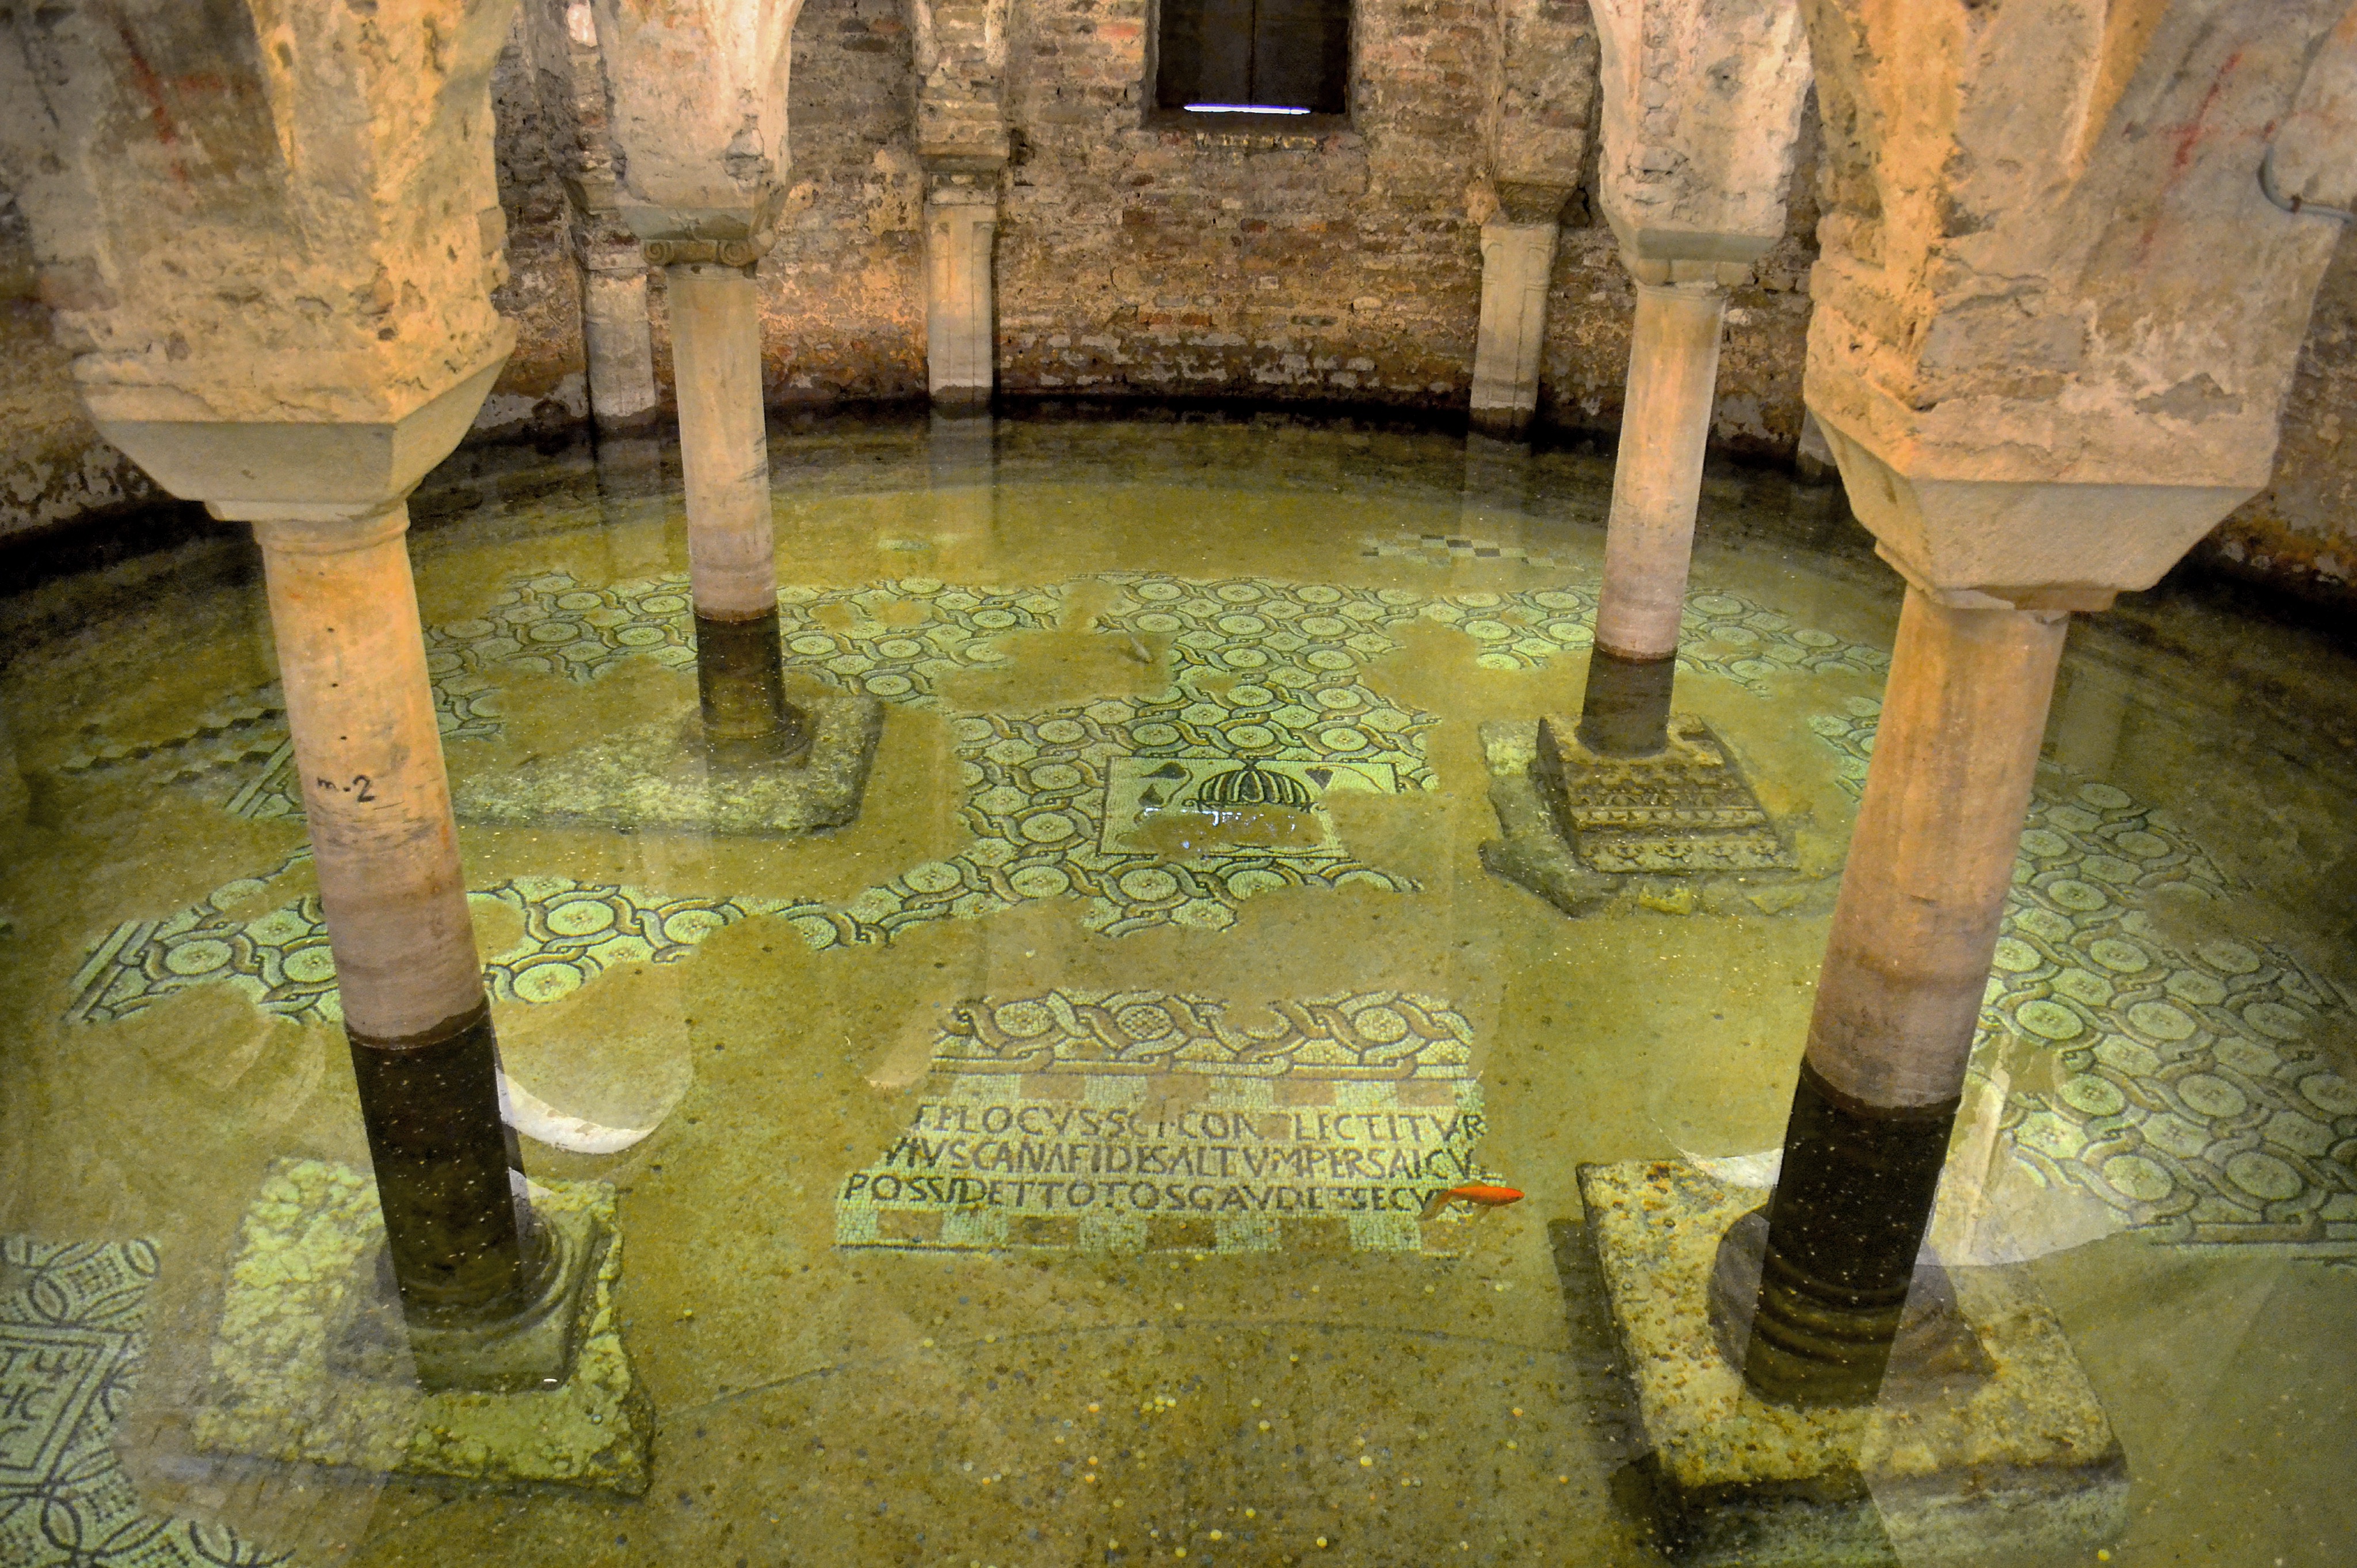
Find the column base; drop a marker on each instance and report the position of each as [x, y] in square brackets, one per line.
[659, 777]
[1500, 421]
[1678, 832]
[527, 1348]
[1972, 1454]
[961, 403]
[314, 1363]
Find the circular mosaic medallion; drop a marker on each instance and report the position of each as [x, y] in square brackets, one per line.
[2092, 1096]
[547, 982]
[2075, 894]
[1039, 882]
[580, 917]
[2162, 1021]
[932, 876]
[2134, 1176]
[687, 927]
[2122, 957]
[2232, 957]
[1148, 884]
[202, 956]
[2049, 1020]
[2210, 1095]
[2263, 1177]
[2274, 1020]
[1049, 827]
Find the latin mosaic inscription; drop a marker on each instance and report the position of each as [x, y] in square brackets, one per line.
[1143, 1120]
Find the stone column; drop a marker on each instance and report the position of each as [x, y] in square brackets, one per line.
[961, 323]
[619, 342]
[294, 327]
[1899, 999]
[1541, 95]
[361, 711]
[697, 116]
[2012, 465]
[1648, 540]
[1517, 259]
[715, 333]
[1701, 119]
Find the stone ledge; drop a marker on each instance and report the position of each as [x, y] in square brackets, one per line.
[282, 1389]
[1942, 1468]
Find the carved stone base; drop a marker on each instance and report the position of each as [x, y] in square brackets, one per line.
[1686, 809]
[662, 777]
[313, 1364]
[1680, 832]
[1985, 1445]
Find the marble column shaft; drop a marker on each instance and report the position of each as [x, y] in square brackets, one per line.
[715, 334]
[1657, 475]
[1517, 261]
[1914, 934]
[352, 653]
[619, 343]
[961, 321]
[1931, 858]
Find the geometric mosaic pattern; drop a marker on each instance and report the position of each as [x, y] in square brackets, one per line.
[573, 932]
[2192, 1098]
[1719, 634]
[71, 1318]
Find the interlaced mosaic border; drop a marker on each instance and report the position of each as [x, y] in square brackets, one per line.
[280, 961]
[72, 1334]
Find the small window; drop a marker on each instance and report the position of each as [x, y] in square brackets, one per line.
[1243, 56]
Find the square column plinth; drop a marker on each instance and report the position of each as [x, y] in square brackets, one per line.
[312, 1365]
[1998, 1456]
[661, 777]
[1680, 831]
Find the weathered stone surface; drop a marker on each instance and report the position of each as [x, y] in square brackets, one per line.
[232, 242]
[1949, 1464]
[659, 777]
[1342, 270]
[961, 59]
[1701, 116]
[300, 1372]
[1545, 93]
[1735, 865]
[698, 96]
[2057, 321]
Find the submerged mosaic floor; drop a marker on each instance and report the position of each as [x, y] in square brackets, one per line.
[2188, 1098]
[71, 1323]
[2191, 1097]
[1138, 1122]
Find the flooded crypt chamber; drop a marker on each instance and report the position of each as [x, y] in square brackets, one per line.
[1337, 782]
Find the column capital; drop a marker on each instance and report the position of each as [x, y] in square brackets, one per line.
[2050, 345]
[1701, 125]
[260, 470]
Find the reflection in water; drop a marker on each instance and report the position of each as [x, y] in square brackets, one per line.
[1049, 1165]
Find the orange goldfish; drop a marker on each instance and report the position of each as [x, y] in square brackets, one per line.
[1479, 1193]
